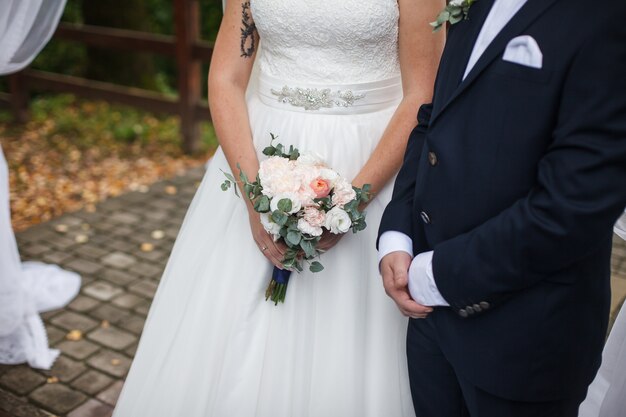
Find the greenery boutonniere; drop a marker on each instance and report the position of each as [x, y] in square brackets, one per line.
[455, 11]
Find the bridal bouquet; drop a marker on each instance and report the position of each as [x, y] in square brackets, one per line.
[299, 197]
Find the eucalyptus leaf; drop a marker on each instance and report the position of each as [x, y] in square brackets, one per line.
[294, 238]
[279, 217]
[284, 204]
[316, 267]
[352, 205]
[262, 204]
[456, 11]
[308, 247]
[456, 19]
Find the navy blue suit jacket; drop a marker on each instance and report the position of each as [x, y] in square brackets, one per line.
[515, 177]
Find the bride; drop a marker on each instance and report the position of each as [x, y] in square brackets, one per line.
[212, 345]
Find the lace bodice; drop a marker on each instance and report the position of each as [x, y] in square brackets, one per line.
[328, 41]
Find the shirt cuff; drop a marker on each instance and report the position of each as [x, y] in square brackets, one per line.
[393, 241]
[422, 286]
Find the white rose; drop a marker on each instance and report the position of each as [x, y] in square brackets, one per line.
[329, 175]
[457, 3]
[296, 205]
[269, 226]
[338, 221]
[306, 228]
[310, 158]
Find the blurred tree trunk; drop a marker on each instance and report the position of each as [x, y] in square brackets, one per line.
[127, 68]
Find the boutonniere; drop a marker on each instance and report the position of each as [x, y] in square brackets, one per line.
[454, 12]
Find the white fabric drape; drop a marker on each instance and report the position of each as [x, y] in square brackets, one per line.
[25, 27]
[26, 288]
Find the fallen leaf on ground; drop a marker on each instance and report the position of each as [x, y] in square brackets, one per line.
[81, 238]
[61, 228]
[74, 335]
[157, 234]
[70, 156]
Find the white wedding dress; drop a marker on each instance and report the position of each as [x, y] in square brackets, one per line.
[212, 346]
[607, 393]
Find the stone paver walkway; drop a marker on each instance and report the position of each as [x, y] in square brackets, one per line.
[120, 250]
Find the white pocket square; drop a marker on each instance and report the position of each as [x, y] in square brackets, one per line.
[524, 50]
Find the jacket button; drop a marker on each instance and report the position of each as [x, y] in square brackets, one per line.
[463, 313]
[477, 308]
[425, 217]
[432, 159]
[469, 309]
[484, 305]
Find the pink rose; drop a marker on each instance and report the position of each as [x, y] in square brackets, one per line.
[314, 217]
[343, 193]
[320, 187]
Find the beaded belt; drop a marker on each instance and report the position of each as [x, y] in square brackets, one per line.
[330, 99]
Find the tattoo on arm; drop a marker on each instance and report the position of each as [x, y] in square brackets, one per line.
[248, 32]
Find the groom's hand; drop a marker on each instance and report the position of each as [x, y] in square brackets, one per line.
[394, 268]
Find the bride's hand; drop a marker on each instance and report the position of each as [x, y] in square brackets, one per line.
[273, 251]
[328, 240]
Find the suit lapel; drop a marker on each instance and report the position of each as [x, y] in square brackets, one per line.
[461, 37]
[522, 19]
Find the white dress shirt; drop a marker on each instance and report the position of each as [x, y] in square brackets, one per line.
[422, 284]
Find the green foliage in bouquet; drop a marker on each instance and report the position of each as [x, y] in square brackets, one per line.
[300, 246]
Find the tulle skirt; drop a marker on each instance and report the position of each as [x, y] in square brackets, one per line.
[212, 346]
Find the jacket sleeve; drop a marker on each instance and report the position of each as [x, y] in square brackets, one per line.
[398, 213]
[580, 189]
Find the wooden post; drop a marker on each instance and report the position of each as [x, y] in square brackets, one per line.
[187, 21]
[19, 97]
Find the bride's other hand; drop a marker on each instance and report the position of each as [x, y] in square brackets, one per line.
[273, 251]
[328, 240]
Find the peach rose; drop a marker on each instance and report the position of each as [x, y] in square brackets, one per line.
[320, 187]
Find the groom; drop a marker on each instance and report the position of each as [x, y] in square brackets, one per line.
[498, 237]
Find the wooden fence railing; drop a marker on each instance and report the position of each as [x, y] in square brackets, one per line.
[185, 47]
